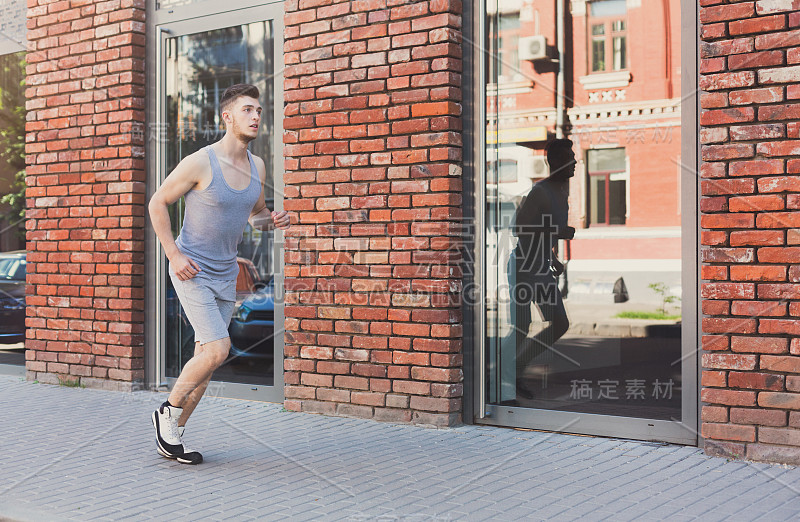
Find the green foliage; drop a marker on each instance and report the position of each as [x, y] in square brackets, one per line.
[646, 315]
[12, 134]
[15, 199]
[666, 298]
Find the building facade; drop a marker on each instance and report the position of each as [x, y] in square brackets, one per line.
[403, 136]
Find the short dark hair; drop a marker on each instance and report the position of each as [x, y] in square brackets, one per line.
[558, 152]
[237, 91]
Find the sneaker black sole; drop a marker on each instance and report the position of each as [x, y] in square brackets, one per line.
[193, 457]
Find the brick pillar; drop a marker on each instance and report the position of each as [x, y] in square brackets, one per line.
[85, 194]
[750, 63]
[373, 174]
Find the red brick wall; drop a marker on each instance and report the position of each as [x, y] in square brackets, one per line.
[373, 152]
[750, 63]
[85, 194]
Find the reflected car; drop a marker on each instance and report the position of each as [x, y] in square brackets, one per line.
[252, 327]
[12, 297]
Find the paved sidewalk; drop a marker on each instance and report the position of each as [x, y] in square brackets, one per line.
[83, 454]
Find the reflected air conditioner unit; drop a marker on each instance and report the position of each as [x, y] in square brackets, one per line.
[539, 168]
[533, 48]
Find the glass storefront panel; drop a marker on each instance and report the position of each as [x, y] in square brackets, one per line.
[199, 67]
[583, 275]
[12, 209]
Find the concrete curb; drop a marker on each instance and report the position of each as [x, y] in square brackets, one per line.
[626, 329]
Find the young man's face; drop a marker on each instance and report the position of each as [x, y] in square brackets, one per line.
[570, 166]
[244, 118]
[562, 172]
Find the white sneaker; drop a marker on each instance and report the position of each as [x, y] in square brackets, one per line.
[165, 421]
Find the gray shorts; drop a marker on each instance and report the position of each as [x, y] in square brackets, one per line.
[208, 304]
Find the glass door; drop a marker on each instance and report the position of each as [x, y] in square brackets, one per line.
[584, 264]
[199, 59]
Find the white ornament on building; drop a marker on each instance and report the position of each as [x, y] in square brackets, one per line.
[609, 95]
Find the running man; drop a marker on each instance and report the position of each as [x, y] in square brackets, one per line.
[223, 186]
[539, 223]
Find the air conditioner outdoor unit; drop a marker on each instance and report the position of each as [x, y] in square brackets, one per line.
[533, 48]
[539, 168]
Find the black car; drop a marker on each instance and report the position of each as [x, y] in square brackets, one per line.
[253, 324]
[12, 297]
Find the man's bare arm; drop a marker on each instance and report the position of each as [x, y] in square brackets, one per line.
[261, 217]
[180, 181]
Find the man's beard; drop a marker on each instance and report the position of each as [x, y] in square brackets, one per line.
[241, 136]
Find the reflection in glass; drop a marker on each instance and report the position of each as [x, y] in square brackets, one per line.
[618, 42]
[597, 199]
[12, 208]
[199, 67]
[619, 53]
[508, 47]
[616, 199]
[12, 151]
[608, 36]
[606, 160]
[598, 48]
[600, 8]
[623, 202]
[507, 171]
[607, 186]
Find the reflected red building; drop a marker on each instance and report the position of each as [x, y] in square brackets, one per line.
[621, 107]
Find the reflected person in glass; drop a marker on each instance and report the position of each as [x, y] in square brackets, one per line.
[223, 188]
[540, 221]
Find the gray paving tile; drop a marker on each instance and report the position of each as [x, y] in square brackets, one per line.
[265, 464]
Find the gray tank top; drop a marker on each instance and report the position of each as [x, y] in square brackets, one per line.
[214, 220]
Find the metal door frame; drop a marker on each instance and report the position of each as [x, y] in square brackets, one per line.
[194, 17]
[680, 431]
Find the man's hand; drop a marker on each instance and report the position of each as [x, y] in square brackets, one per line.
[183, 267]
[557, 267]
[281, 219]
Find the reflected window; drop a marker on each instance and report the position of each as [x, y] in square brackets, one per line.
[506, 170]
[598, 48]
[509, 47]
[607, 182]
[608, 36]
[507, 28]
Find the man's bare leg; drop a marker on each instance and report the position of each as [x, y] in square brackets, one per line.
[198, 370]
[191, 401]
